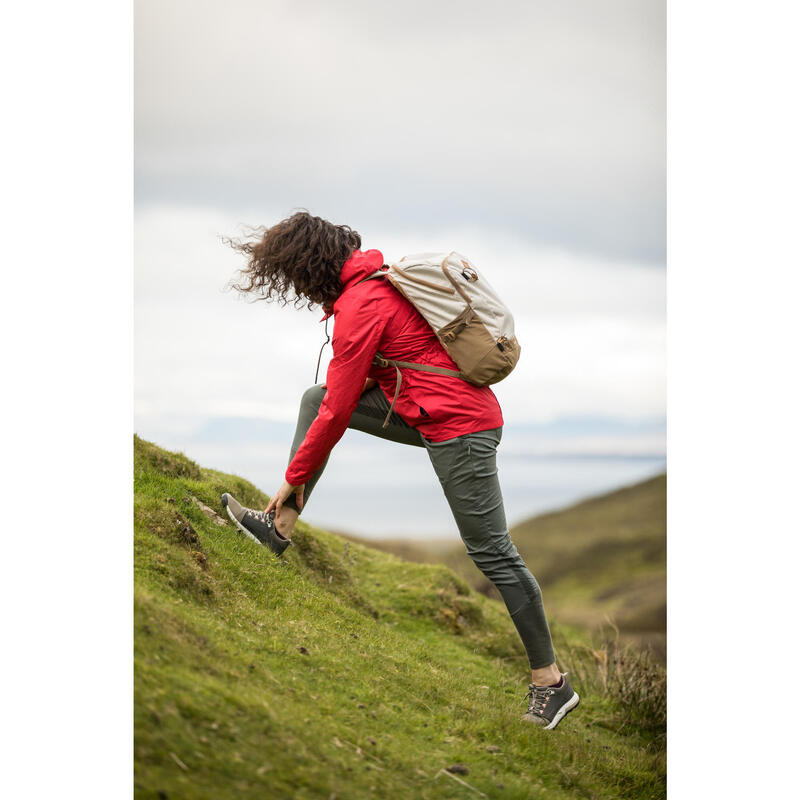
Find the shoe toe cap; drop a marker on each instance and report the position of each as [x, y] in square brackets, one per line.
[233, 505]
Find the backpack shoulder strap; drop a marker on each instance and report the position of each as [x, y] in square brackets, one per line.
[378, 274]
[380, 361]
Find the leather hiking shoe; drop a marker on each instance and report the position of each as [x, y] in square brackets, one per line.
[550, 704]
[260, 527]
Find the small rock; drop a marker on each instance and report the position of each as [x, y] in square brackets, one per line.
[458, 769]
[209, 512]
[303, 650]
[492, 748]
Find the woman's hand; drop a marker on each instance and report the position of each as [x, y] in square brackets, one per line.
[286, 491]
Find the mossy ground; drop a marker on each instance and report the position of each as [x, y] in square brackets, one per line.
[343, 672]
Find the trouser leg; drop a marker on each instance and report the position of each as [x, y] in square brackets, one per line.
[467, 469]
[367, 417]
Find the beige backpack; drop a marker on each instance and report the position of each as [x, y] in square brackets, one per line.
[472, 323]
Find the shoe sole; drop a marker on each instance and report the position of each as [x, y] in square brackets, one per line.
[563, 711]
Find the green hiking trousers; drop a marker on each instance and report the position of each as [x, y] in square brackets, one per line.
[467, 470]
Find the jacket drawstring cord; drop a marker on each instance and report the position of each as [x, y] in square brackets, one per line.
[319, 358]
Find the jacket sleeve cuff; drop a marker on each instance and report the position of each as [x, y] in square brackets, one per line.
[295, 478]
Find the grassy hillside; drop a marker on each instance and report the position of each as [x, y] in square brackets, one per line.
[602, 559]
[344, 672]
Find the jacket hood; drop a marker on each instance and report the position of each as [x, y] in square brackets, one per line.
[360, 264]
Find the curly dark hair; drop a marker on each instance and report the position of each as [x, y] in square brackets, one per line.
[300, 256]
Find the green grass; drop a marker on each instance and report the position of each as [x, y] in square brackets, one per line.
[341, 671]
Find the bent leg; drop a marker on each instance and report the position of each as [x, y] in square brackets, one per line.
[368, 417]
[467, 469]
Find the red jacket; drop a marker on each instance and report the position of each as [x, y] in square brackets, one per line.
[374, 316]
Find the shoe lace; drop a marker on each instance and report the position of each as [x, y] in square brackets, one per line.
[539, 697]
[261, 516]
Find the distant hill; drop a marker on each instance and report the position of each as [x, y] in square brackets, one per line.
[603, 558]
[343, 672]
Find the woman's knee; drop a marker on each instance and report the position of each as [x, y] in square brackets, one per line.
[312, 397]
[502, 564]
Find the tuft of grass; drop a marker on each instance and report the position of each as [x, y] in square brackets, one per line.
[174, 465]
[343, 671]
[630, 675]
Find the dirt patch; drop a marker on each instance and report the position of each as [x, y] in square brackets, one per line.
[183, 532]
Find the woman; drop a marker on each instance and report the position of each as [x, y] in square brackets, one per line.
[459, 424]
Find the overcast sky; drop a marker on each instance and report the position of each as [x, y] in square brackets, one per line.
[543, 118]
[530, 136]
